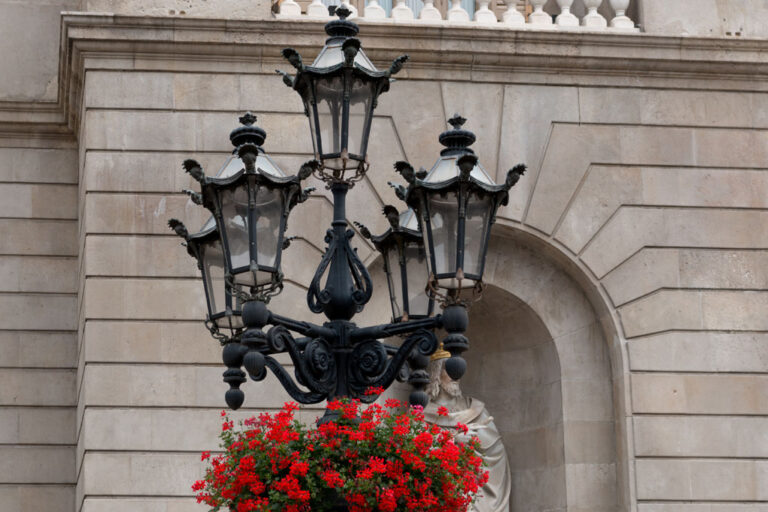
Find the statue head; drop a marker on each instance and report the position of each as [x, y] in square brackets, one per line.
[439, 380]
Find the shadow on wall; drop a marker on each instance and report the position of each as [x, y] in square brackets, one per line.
[539, 362]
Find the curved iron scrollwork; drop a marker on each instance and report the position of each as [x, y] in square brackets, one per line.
[371, 368]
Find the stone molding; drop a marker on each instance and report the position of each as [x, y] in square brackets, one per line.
[488, 54]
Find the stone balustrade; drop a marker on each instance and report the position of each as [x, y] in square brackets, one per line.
[578, 15]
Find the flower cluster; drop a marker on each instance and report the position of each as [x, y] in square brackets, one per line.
[382, 459]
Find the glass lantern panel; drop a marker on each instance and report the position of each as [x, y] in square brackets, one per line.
[235, 320]
[328, 96]
[443, 170]
[395, 281]
[234, 212]
[332, 55]
[269, 214]
[443, 217]
[477, 225]
[360, 100]
[212, 257]
[418, 275]
[232, 166]
[267, 166]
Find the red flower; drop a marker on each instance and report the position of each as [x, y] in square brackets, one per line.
[442, 411]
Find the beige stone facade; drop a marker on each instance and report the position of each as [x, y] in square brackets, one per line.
[622, 345]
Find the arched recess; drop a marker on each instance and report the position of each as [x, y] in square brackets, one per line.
[539, 360]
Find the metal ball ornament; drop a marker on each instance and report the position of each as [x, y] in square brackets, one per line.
[234, 398]
[455, 367]
[254, 363]
[418, 398]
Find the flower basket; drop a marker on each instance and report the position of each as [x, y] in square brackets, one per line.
[371, 459]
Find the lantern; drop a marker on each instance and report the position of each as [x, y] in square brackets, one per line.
[250, 198]
[340, 90]
[405, 265]
[456, 203]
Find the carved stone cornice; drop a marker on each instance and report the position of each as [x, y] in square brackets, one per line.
[446, 52]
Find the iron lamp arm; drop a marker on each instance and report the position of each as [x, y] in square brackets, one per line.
[394, 329]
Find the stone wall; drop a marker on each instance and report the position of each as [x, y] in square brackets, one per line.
[38, 324]
[631, 260]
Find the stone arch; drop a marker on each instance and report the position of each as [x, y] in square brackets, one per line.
[538, 346]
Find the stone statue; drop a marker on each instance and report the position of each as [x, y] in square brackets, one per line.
[445, 392]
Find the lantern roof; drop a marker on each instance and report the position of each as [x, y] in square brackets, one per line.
[209, 232]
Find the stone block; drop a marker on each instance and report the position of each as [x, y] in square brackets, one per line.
[128, 89]
[665, 107]
[155, 429]
[38, 274]
[144, 299]
[539, 489]
[33, 425]
[570, 151]
[700, 352]
[37, 387]
[38, 237]
[724, 268]
[38, 165]
[138, 256]
[591, 486]
[587, 400]
[529, 118]
[106, 171]
[236, 9]
[589, 442]
[661, 311]
[38, 311]
[171, 386]
[23, 200]
[705, 480]
[701, 507]
[416, 136]
[604, 190]
[37, 464]
[185, 131]
[699, 393]
[701, 436]
[735, 310]
[149, 342]
[483, 106]
[148, 504]
[679, 227]
[140, 213]
[140, 474]
[30, 349]
[648, 270]
[31, 56]
[34, 498]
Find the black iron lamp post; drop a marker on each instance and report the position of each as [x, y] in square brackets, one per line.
[250, 199]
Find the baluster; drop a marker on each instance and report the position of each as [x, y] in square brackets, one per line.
[621, 20]
[566, 17]
[429, 11]
[317, 9]
[538, 16]
[457, 12]
[290, 8]
[484, 15]
[512, 16]
[374, 11]
[593, 19]
[401, 11]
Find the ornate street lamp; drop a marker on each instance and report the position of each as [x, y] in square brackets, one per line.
[405, 265]
[251, 198]
[456, 202]
[224, 305]
[340, 90]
